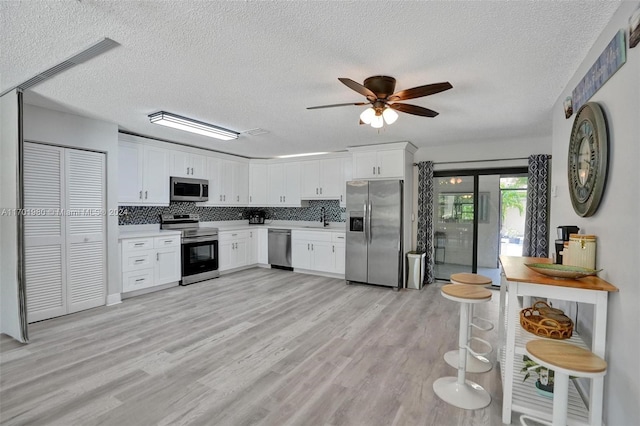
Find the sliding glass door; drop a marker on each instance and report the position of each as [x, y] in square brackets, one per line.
[470, 214]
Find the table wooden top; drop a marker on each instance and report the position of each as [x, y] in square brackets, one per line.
[566, 356]
[515, 270]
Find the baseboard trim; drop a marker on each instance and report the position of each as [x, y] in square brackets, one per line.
[113, 299]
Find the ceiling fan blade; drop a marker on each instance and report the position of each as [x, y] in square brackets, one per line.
[358, 88]
[413, 109]
[420, 91]
[339, 105]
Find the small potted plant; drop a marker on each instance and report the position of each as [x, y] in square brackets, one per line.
[544, 384]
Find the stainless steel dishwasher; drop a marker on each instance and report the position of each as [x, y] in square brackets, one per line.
[280, 248]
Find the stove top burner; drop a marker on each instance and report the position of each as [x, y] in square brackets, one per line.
[187, 223]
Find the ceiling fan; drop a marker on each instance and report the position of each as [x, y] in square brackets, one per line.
[379, 93]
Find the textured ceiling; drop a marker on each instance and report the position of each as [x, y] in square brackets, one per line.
[246, 65]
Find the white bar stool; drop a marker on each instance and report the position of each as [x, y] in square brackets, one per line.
[458, 391]
[475, 363]
[565, 360]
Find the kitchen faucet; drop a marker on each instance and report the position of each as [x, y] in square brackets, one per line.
[323, 217]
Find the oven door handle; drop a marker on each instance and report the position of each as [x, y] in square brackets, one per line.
[199, 240]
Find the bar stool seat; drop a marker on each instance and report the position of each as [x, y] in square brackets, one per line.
[458, 391]
[565, 360]
[475, 364]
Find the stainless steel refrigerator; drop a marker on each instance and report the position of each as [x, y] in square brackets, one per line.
[374, 232]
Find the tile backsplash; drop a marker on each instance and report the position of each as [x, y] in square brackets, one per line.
[142, 215]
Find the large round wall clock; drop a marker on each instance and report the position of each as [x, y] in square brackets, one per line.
[588, 159]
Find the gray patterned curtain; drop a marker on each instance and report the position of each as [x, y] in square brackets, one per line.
[425, 217]
[537, 218]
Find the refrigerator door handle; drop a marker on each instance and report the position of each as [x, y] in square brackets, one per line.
[369, 222]
[364, 227]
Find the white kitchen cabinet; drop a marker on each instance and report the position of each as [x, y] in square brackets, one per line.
[262, 245]
[320, 251]
[233, 249]
[321, 179]
[240, 193]
[252, 248]
[385, 164]
[187, 164]
[347, 175]
[258, 184]
[143, 174]
[284, 184]
[228, 182]
[150, 262]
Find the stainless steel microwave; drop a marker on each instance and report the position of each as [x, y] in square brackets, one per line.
[188, 189]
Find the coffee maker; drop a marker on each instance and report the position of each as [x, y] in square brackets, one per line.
[563, 235]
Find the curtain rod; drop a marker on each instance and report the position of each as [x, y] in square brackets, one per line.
[481, 161]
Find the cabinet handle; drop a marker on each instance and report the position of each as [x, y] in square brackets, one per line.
[224, 197]
[158, 257]
[138, 244]
[192, 171]
[374, 170]
[220, 197]
[187, 170]
[238, 198]
[250, 198]
[333, 249]
[139, 261]
[308, 246]
[340, 238]
[281, 198]
[139, 279]
[250, 234]
[340, 197]
[141, 195]
[320, 191]
[311, 247]
[378, 169]
[316, 191]
[146, 193]
[234, 235]
[284, 198]
[168, 241]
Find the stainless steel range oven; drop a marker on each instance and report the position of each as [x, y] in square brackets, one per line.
[199, 247]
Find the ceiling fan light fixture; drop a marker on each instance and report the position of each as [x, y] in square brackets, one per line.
[389, 115]
[190, 125]
[367, 115]
[377, 122]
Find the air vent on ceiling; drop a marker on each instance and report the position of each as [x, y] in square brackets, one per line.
[256, 132]
[88, 53]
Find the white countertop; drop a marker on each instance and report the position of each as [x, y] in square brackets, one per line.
[144, 231]
[153, 230]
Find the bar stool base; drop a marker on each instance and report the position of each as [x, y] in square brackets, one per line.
[470, 396]
[474, 365]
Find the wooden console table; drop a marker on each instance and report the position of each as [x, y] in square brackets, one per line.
[518, 280]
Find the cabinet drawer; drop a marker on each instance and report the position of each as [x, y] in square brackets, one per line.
[170, 241]
[233, 235]
[137, 280]
[311, 235]
[137, 261]
[338, 237]
[137, 244]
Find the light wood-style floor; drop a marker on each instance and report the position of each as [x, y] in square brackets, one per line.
[264, 347]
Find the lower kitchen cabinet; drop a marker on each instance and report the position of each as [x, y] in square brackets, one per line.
[233, 249]
[150, 262]
[320, 251]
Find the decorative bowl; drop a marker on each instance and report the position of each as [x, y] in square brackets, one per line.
[562, 271]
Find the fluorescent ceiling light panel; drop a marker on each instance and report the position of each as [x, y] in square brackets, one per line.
[301, 155]
[194, 126]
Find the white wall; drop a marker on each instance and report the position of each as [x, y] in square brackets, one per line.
[615, 223]
[9, 304]
[68, 130]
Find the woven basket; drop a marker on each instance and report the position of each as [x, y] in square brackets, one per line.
[545, 321]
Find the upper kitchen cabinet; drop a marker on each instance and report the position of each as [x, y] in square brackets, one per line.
[228, 182]
[321, 179]
[284, 184]
[143, 174]
[379, 164]
[258, 185]
[186, 164]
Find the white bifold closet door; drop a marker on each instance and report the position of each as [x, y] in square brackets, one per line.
[64, 228]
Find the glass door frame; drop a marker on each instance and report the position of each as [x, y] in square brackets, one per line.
[476, 173]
